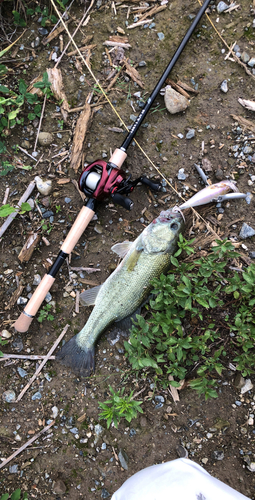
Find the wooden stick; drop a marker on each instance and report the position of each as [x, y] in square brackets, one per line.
[77, 302]
[40, 122]
[42, 364]
[24, 446]
[12, 216]
[24, 356]
[6, 194]
[26, 153]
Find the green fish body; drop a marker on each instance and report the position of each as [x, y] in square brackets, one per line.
[126, 288]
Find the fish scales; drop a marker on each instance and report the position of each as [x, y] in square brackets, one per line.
[126, 288]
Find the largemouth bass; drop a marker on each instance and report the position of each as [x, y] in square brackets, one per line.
[125, 289]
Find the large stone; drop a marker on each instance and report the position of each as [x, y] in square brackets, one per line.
[45, 138]
[175, 102]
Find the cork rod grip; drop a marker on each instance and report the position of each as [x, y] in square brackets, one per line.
[23, 322]
[79, 226]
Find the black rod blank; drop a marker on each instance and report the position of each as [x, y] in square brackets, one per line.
[166, 73]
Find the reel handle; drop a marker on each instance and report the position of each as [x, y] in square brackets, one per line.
[123, 201]
[153, 185]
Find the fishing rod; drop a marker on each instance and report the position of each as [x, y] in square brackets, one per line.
[99, 181]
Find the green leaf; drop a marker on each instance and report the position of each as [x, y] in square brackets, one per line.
[5, 496]
[174, 261]
[4, 89]
[13, 114]
[22, 86]
[31, 116]
[6, 210]
[25, 207]
[16, 494]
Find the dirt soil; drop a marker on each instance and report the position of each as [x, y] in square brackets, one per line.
[67, 462]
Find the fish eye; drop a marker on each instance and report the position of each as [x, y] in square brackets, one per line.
[174, 226]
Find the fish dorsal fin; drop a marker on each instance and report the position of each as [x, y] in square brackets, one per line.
[88, 298]
[121, 249]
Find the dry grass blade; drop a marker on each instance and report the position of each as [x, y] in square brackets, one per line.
[55, 33]
[79, 136]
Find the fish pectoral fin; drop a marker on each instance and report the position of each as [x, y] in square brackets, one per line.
[127, 323]
[88, 298]
[121, 249]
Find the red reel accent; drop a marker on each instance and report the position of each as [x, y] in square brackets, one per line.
[110, 178]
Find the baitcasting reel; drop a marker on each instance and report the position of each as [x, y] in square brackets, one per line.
[101, 179]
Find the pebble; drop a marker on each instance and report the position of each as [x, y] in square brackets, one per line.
[37, 279]
[205, 460]
[219, 174]
[123, 458]
[252, 255]
[251, 467]
[190, 134]
[45, 138]
[224, 86]
[175, 102]
[245, 57]
[22, 300]
[104, 493]
[141, 64]
[54, 410]
[251, 62]
[44, 187]
[246, 231]
[159, 399]
[161, 36]
[9, 396]
[36, 395]
[5, 334]
[247, 386]
[43, 31]
[181, 175]
[22, 372]
[132, 432]
[133, 118]
[221, 7]
[13, 469]
[36, 42]
[59, 487]
[25, 144]
[74, 430]
[217, 455]
[67, 200]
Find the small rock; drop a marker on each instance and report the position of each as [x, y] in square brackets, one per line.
[251, 467]
[141, 64]
[161, 36]
[44, 187]
[35, 43]
[13, 469]
[245, 57]
[190, 134]
[217, 455]
[45, 138]
[43, 31]
[132, 432]
[224, 86]
[36, 395]
[99, 430]
[67, 200]
[205, 460]
[221, 7]
[246, 231]
[54, 410]
[5, 334]
[25, 144]
[247, 386]
[74, 430]
[251, 62]
[252, 255]
[22, 301]
[181, 175]
[21, 372]
[9, 396]
[59, 487]
[48, 297]
[181, 451]
[104, 493]
[123, 458]
[37, 279]
[219, 174]
[175, 102]
[239, 381]
[98, 229]
[159, 399]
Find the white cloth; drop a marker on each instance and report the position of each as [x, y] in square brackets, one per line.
[180, 479]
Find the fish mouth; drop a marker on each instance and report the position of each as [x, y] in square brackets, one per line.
[170, 215]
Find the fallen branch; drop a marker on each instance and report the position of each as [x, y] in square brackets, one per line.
[24, 446]
[24, 356]
[42, 364]
[12, 216]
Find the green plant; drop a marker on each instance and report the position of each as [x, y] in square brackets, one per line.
[44, 85]
[5, 168]
[58, 209]
[6, 210]
[2, 342]
[18, 20]
[46, 226]
[11, 105]
[16, 495]
[119, 406]
[44, 313]
[159, 344]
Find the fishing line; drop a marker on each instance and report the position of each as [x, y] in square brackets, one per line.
[122, 121]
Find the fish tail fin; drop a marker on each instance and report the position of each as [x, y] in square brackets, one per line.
[80, 360]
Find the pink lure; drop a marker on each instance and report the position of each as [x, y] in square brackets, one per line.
[209, 193]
